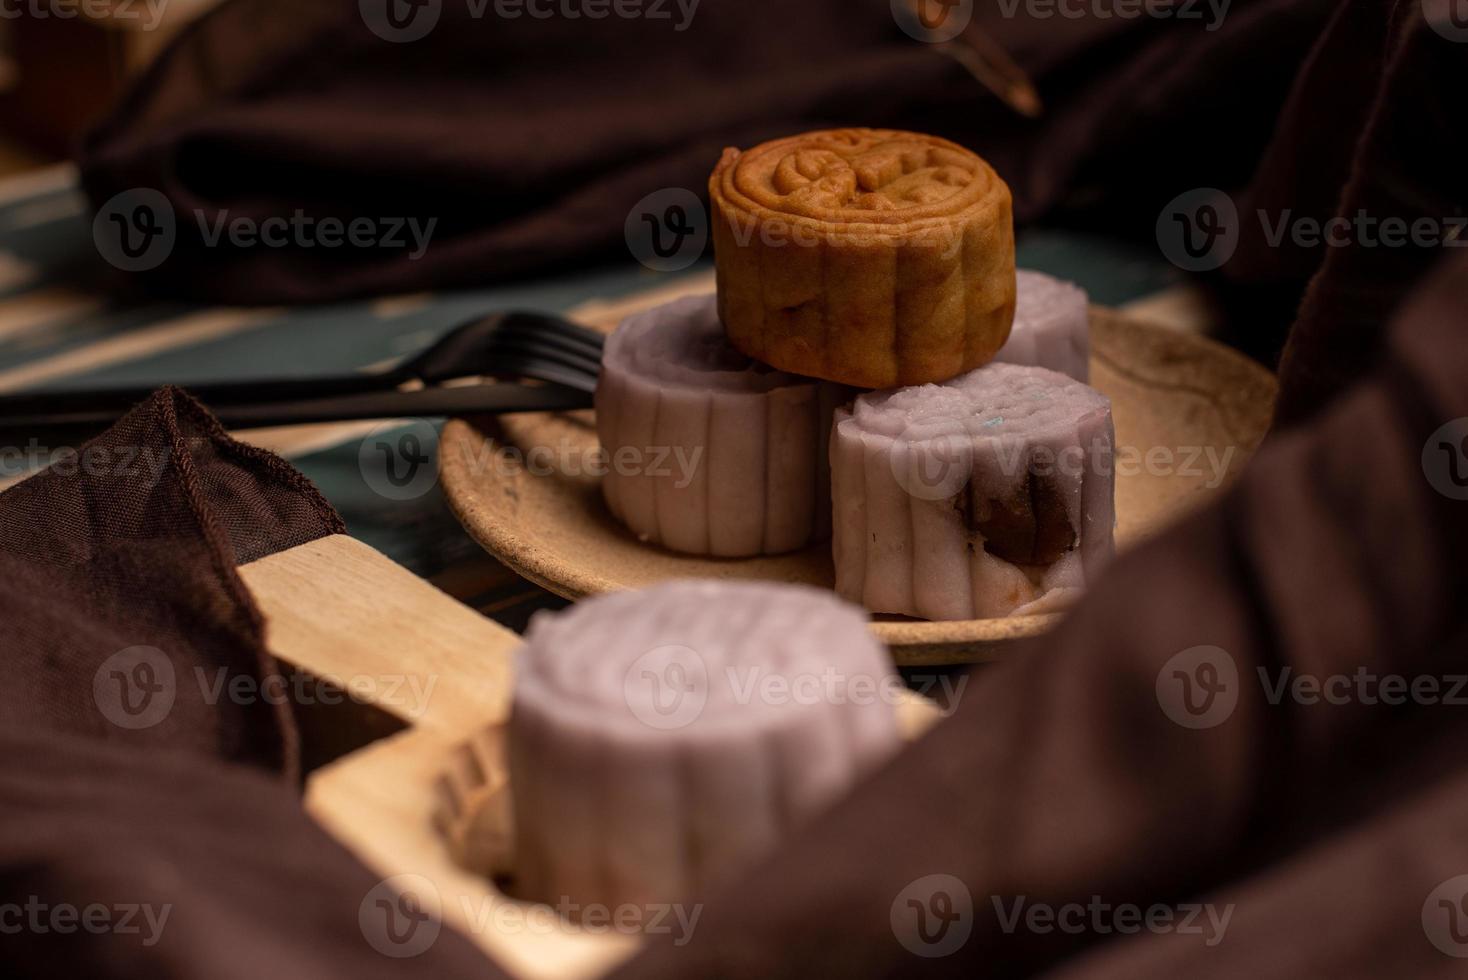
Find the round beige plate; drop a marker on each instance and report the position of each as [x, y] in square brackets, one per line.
[1188, 413]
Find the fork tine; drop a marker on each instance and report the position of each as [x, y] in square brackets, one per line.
[523, 366]
[551, 348]
[562, 333]
[552, 324]
[470, 348]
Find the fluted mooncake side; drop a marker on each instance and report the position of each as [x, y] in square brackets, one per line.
[661, 739]
[986, 496]
[709, 452]
[870, 257]
[1052, 326]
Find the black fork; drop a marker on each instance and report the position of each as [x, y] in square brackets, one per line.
[522, 345]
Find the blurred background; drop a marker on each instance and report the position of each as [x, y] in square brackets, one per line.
[58, 74]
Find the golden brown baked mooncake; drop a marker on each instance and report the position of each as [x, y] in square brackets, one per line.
[866, 256]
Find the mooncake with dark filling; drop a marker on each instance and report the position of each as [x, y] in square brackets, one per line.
[983, 497]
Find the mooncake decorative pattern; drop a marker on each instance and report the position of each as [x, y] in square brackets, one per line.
[870, 257]
[661, 739]
[986, 496]
[708, 452]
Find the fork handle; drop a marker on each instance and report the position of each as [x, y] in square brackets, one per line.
[71, 428]
[108, 404]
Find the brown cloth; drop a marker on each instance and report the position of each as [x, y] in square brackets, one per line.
[529, 141]
[128, 547]
[130, 798]
[1371, 134]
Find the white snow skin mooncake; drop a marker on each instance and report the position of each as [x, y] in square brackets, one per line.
[660, 739]
[709, 452]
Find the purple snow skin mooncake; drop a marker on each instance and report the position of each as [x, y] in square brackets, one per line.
[709, 452]
[986, 496]
[661, 739]
[1052, 326]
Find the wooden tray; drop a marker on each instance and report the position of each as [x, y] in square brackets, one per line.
[1176, 395]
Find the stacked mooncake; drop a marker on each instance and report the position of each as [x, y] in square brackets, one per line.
[977, 484]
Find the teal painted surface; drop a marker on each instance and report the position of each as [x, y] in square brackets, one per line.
[52, 232]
